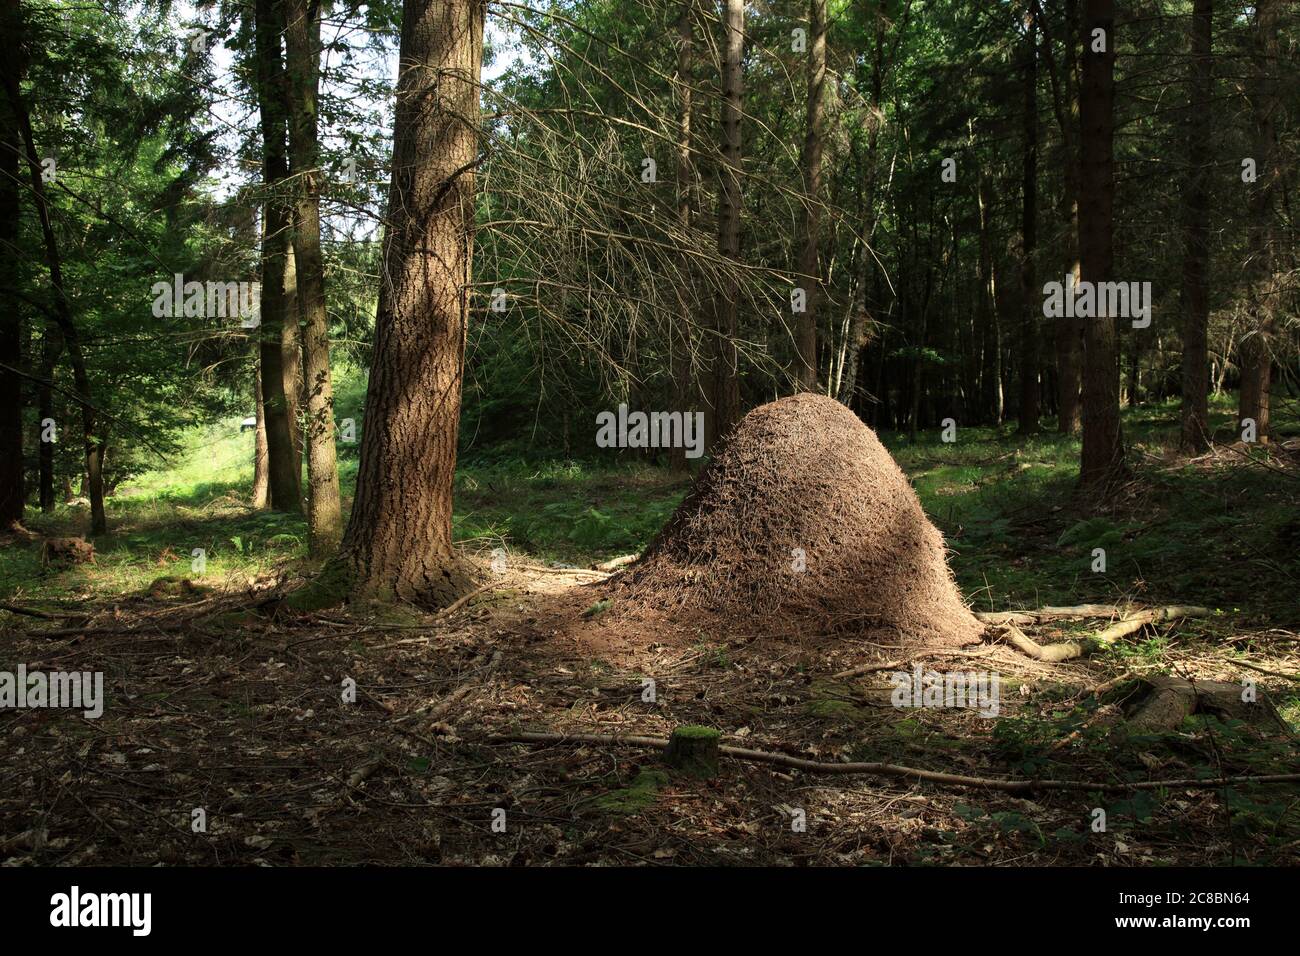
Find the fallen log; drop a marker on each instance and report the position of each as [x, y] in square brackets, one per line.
[1050, 613]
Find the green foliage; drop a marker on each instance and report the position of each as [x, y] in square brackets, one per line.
[1092, 533]
[637, 796]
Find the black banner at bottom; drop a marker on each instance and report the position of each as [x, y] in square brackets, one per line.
[333, 906]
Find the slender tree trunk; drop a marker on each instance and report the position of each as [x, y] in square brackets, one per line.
[51, 349]
[285, 467]
[1030, 300]
[725, 381]
[681, 344]
[988, 308]
[324, 508]
[1256, 345]
[861, 308]
[1068, 331]
[805, 365]
[291, 348]
[12, 492]
[1134, 372]
[92, 437]
[1102, 459]
[1196, 233]
[261, 471]
[398, 541]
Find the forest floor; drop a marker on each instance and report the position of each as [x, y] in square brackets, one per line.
[216, 704]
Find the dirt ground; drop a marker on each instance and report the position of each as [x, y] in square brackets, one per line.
[212, 705]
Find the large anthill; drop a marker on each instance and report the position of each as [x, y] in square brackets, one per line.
[803, 517]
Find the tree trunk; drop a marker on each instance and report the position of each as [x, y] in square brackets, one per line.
[725, 372]
[1102, 459]
[988, 308]
[285, 469]
[12, 494]
[51, 349]
[1030, 300]
[324, 514]
[92, 440]
[1196, 233]
[291, 348]
[398, 541]
[681, 344]
[805, 338]
[861, 308]
[1256, 345]
[1134, 372]
[1068, 332]
[261, 476]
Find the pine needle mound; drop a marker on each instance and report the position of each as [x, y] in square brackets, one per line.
[805, 473]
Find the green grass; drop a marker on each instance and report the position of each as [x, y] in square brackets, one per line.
[1018, 535]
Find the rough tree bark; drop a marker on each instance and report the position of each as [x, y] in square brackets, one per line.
[809, 267]
[285, 468]
[1102, 459]
[398, 540]
[324, 509]
[261, 478]
[725, 397]
[291, 352]
[1030, 298]
[1256, 345]
[1196, 233]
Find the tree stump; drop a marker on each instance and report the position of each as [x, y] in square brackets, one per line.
[1173, 699]
[694, 751]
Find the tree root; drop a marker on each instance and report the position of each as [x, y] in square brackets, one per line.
[896, 770]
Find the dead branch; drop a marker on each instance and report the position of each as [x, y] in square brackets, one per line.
[897, 770]
[1068, 650]
[904, 661]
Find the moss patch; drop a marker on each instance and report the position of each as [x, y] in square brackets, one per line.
[635, 797]
[831, 700]
[329, 588]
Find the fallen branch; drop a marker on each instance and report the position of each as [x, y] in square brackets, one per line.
[1068, 650]
[32, 612]
[905, 661]
[460, 602]
[1265, 670]
[364, 772]
[1050, 613]
[587, 571]
[896, 770]
[1050, 653]
[438, 709]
